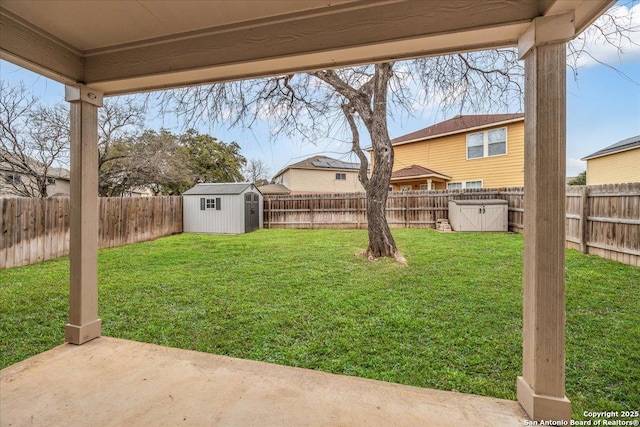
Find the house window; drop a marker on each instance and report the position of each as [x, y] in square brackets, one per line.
[13, 178]
[341, 176]
[465, 184]
[406, 188]
[487, 144]
[390, 188]
[51, 181]
[424, 186]
[211, 203]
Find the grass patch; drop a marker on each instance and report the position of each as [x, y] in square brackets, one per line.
[452, 320]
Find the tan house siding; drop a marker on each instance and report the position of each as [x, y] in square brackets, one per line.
[448, 155]
[61, 186]
[614, 168]
[320, 181]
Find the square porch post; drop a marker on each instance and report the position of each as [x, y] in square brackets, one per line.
[84, 324]
[541, 388]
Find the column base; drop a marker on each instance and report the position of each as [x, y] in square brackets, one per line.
[540, 407]
[74, 334]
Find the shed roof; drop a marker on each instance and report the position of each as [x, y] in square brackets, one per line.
[458, 124]
[218, 188]
[624, 145]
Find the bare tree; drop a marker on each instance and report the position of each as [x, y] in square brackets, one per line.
[320, 103]
[316, 104]
[119, 120]
[34, 142]
[256, 171]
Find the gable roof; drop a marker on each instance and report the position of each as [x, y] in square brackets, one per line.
[456, 125]
[321, 163]
[218, 188]
[415, 171]
[624, 145]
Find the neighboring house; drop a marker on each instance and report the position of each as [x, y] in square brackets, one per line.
[14, 182]
[320, 174]
[471, 151]
[615, 164]
[138, 192]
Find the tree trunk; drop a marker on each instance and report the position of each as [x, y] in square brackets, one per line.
[381, 242]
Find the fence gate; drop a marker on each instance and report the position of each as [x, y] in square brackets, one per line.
[251, 212]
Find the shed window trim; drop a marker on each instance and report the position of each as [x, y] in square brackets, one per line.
[487, 143]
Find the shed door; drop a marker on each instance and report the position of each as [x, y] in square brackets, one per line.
[494, 218]
[251, 212]
[470, 218]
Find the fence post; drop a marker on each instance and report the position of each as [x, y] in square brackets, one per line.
[311, 212]
[584, 220]
[358, 212]
[406, 211]
[268, 212]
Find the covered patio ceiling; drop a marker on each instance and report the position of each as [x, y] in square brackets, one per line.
[108, 47]
[129, 46]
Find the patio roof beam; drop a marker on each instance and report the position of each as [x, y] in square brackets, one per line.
[38, 51]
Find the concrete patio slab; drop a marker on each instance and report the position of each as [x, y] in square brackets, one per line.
[114, 382]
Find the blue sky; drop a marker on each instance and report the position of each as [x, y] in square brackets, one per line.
[603, 107]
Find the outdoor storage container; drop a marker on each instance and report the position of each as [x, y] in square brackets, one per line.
[230, 208]
[479, 215]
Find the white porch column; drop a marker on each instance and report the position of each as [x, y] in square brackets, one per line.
[84, 324]
[429, 184]
[541, 388]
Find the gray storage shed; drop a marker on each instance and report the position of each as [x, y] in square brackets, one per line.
[230, 208]
[479, 215]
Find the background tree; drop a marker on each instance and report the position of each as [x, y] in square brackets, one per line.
[581, 179]
[153, 160]
[211, 160]
[120, 120]
[256, 171]
[167, 163]
[34, 141]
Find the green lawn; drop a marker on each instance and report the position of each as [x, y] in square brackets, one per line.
[451, 320]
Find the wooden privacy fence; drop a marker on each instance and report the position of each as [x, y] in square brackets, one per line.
[34, 230]
[410, 209]
[603, 220]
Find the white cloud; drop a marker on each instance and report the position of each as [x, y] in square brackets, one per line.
[575, 166]
[602, 43]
